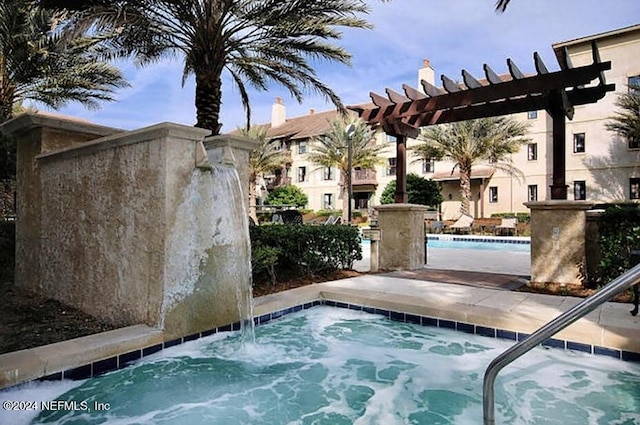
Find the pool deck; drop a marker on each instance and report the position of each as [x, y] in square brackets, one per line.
[438, 295]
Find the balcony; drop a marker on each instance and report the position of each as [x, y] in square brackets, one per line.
[276, 181]
[363, 179]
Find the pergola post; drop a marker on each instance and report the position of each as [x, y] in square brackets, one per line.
[559, 184]
[400, 196]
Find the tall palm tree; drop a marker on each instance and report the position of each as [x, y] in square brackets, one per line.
[474, 142]
[501, 5]
[42, 58]
[626, 121]
[332, 150]
[257, 42]
[265, 158]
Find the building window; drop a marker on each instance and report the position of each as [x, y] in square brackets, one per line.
[579, 190]
[532, 192]
[302, 174]
[633, 83]
[493, 194]
[391, 167]
[532, 115]
[578, 143]
[328, 201]
[634, 188]
[428, 165]
[302, 147]
[391, 139]
[327, 173]
[532, 151]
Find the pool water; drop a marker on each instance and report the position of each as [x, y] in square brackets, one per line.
[336, 366]
[491, 246]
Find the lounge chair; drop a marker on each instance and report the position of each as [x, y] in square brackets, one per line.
[437, 226]
[330, 220]
[462, 224]
[508, 225]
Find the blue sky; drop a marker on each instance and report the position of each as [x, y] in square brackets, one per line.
[452, 34]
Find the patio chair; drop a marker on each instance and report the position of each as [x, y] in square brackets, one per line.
[330, 220]
[437, 227]
[462, 224]
[507, 225]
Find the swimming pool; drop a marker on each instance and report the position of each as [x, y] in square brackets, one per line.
[490, 244]
[337, 366]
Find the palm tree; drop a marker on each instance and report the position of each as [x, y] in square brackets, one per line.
[257, 42]
[43, 58]
[265, 158]
[501, 5]
[332, 150]
[473, 142]
[626, 121]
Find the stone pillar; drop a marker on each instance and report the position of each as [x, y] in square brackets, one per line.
[558, 248]
[401, 236]
[233, 150]
[374, 238]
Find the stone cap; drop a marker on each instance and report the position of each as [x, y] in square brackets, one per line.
[28, 121]
[401, 207]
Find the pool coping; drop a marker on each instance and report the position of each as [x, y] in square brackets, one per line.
[609, 330]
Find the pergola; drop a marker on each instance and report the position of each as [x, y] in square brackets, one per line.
[402, 115]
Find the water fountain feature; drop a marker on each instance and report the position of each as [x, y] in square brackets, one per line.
[134, 227]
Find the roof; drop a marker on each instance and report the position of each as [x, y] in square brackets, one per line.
[560, 47]
[476, 173]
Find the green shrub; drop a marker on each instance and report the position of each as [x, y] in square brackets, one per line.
[303, 250]
[7, 250]
[287, 195]
[618, 235]
[522, 217]
[420, 191]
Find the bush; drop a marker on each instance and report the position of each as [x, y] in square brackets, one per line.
[287, 195]
[7, 250]
[420, 191]
[522, 217]
[619, 234]
[302, 250]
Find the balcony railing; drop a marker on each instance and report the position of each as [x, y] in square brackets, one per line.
[362, 177]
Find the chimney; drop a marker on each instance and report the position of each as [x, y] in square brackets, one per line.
[426, 73]
[312, 111]
[278, 113]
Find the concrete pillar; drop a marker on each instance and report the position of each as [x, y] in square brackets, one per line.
[401, 236]
[558, 247]
[374, 237]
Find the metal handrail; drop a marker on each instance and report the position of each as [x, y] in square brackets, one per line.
[625, 281]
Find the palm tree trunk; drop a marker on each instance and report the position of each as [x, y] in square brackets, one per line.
[7, 94]
[208, 95]
[252, 200]
[345, 198]
[465, 190]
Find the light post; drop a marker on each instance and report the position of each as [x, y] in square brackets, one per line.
[350, 130]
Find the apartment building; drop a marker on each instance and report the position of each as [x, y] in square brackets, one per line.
[600, 166]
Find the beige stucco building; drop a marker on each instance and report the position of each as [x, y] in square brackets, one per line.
[600, 166]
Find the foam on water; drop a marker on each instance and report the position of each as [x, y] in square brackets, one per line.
[335, 366]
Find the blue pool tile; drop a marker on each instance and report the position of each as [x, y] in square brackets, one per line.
[522, 336]
[264, 318]
[316, 303]
[225, 328]
[82, 372]
[383, 312]
[52, 377]
[604, 351]
[297, 308]
[484, 331]
[173, 342]
[342, 305]
[151, 350]
[276, 314]
[503, 334]
[554, 343]
[103, 366]
[578, 346]
[397, 316]
[355, 307]
[465, 327]
[330, 303]
[412, 318]
[208, 333]
[631, 357]
[448, 324]
[236, 326]
[126, 358]
[429, 321]
[191, 337]
[308, 305]
[369, 310]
